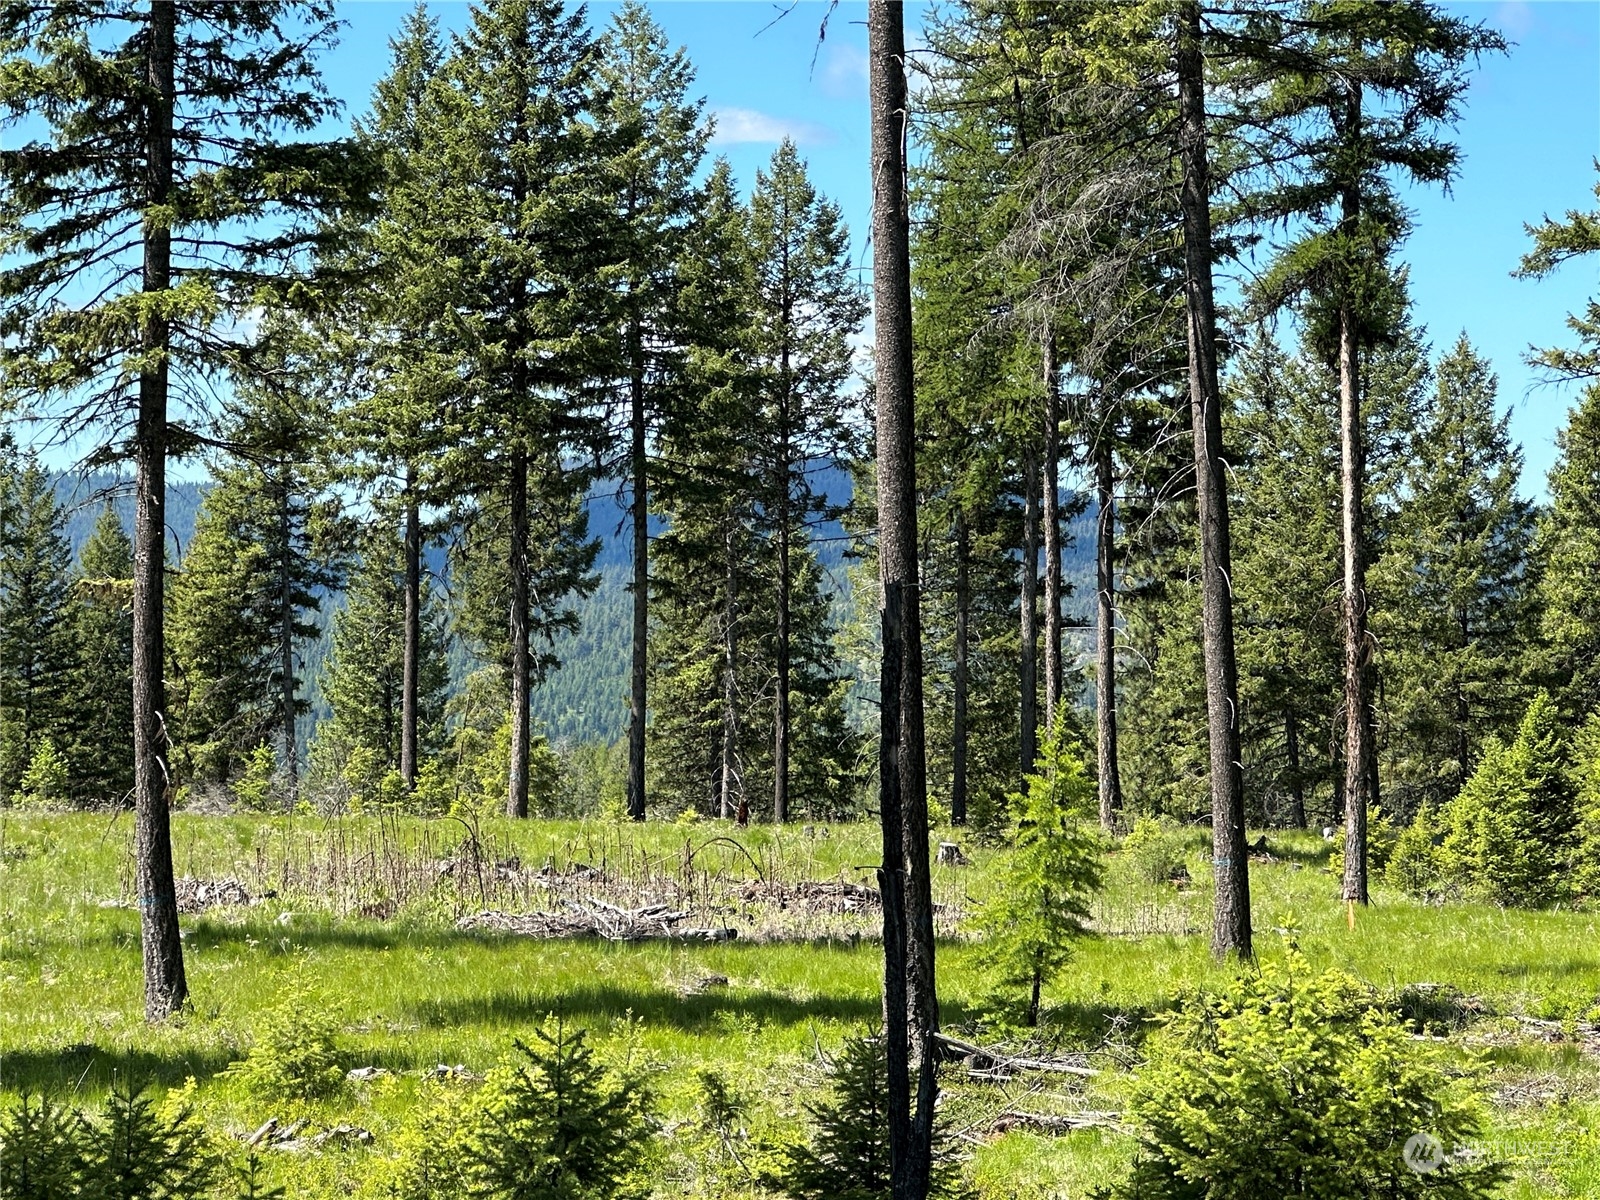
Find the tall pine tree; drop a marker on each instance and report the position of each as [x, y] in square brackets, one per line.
[101, 750]
[37, 646]
[157, 182]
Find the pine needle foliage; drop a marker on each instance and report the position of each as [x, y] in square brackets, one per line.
[557, 1125]
[1291, 1084]
[847, 1154]
[1042, 896]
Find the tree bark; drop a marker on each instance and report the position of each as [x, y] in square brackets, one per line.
[1105, 673]
[637, 699]
[1297, 785]
[166, 989]
[517, 792]
[1358, 792]
[291, 749]
[780, 725]
[410, 669]
[958, 735]
[1231, 924]
[1051, 511]
[908, 968]
[730, 692]
[1028, 672]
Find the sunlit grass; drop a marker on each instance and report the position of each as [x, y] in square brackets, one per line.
[411, 991]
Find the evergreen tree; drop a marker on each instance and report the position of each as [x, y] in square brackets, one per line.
[847, 1154]
[37, 646]
[524, 231]
[154, 181]
[806, 305]
[393, 335]
[1555, 243]
[660, 138]
[1459, 589]
[1510, 832]
[101, 750]
[708, 729]
[556, 1125]
[1049, 876]
[1364, 89]
[268, 545]
[1568, 552]
[1286, 580]
[364, 683]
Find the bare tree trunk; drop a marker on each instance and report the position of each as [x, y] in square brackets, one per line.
[638, 697]
[1297, 784]
[1105, 673]
[1231, 926]
[780, 726]
[730, 693]
[411, 668]
[1359, 791]
[517, 792]
[958, 736]
[1028, 673]
[1053, 671]
[910, 1024]
[166, 989]
[291, 748]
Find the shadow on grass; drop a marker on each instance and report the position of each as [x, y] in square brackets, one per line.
[93, 1069]
[321, 932]
[694, 1013]
[1300, 849]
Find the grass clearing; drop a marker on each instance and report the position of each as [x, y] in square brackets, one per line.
[408, 991]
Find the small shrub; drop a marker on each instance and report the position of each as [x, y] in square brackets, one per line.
[1417, 865]
[44, 783]
[1294, 1085]
[255, 789]
[295, 1056]
[555, 1125]
[1045, 883]
[131, 1149]
[1153, 852]
[847, 1155]
[431, 1158]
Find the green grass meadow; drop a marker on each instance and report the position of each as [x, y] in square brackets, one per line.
[363, 927]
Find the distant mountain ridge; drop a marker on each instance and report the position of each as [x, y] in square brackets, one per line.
[586, 698]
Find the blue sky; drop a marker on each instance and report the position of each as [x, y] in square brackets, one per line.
[1529, 133]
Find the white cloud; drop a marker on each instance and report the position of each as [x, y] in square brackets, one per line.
[843, 73]
[747, 125]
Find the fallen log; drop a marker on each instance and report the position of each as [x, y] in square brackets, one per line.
[985, 1063]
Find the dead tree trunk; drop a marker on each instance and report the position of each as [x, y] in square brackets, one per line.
[166, 989]
[1297, 783]
[911, 1012]
[1231, 925]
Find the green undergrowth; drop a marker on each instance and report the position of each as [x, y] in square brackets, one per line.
[404, 991]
